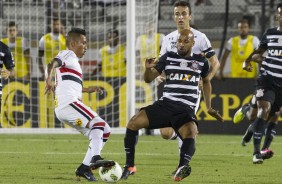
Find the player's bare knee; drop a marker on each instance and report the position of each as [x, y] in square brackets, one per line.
[165, 133]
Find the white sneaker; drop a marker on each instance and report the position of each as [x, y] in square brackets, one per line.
[257, 159]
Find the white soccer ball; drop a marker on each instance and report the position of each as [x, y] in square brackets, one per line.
[110, 174]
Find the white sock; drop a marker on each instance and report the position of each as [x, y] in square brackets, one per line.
[96, 138]
[88, 156]
[106, 134]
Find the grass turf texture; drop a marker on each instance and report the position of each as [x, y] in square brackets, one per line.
[27, 159]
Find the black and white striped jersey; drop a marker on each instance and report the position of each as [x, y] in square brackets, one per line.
[272, 64]
[182, 77]
[6, 59]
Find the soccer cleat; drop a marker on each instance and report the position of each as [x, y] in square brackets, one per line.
[239, 116]
[128, 171]
[173, 172]
[266, 154]
[182, 172]
[97, 162]
[85, 172]
[257, 159]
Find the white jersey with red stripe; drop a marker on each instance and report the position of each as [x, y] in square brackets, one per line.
[68, 79]
[202, 44]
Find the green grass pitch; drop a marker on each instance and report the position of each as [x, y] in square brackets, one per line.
[52, 159]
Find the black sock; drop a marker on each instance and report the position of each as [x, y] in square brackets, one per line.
[187, 150]
[258, 133]
[269, 134]
[246, 108]
[249, 133]
[130, 140]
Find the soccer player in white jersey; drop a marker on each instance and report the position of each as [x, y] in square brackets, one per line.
[175, 109]
[69, 106]
[182, 17]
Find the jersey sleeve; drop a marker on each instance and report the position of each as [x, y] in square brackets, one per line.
[8, 59]
[41, 44]
[255, 42]
[263, 42]
[228, 44]
[25, 44]
[161, 63]
[206, 69]
[164, 45]
[206, 47]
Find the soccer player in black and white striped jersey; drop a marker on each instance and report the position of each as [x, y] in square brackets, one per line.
[176, 108]
[182, 15]
[269, 82]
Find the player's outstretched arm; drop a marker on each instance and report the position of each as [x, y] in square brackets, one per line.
[92, 89]
[214, 66]
[258, 53]
[150, 72]
[207, 88]
[49, 87]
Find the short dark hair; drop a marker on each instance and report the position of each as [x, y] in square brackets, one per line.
[75, 33]
[184, 4]
[279, 6]
[12, 24]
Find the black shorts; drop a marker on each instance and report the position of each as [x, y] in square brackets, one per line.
[168, 114]
[267, 92]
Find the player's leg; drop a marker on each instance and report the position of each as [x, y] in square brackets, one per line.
[265, 97]
[151, 117]
[138, 121]
[77, 120]
[270, 132]
[188, 133]
[168, 133]
[251, 116]
[245, 111]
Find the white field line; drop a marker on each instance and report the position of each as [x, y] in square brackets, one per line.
[121, 141]
[122, 153]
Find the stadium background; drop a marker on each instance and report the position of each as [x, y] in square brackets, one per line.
[24, 104]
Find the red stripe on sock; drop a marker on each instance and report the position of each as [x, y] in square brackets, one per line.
[107, 135]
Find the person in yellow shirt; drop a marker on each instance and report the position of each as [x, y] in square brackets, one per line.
[20, 50]
[148, 45]
[240, 48]
[112, 56]
[50, 44]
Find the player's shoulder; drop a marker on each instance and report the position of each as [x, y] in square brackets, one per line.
[199, 57]
[273, 30]
[198, 33]
[171, 35]
[3, 45]
[64, 54]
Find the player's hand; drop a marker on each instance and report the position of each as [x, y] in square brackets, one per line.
[160, 79]
[49, 87]
[247, 66]
[5, 74]
[150, 63]
[92, 89]
[215, 114]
